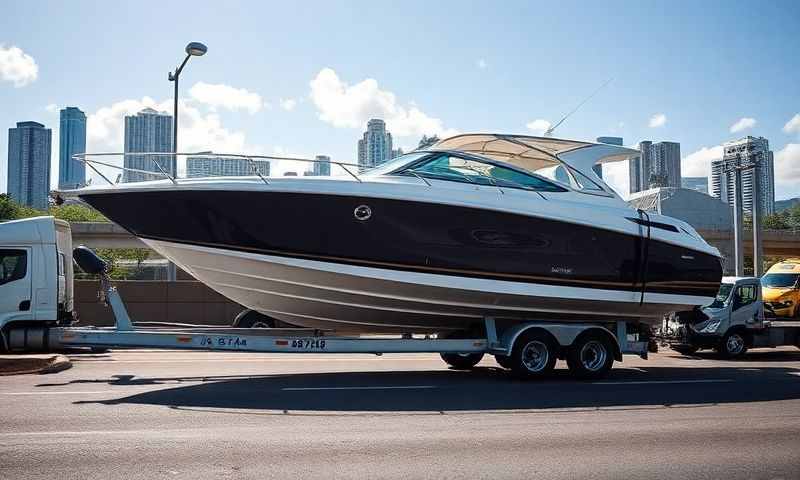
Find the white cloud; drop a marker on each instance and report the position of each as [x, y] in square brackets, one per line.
[698, 164]
[198, 131]
[538, 126]
[657, 120]
[743, 124]
[51, 108]
[481, 63]
[350, 106]
[17, 66]
[225, 96]
[787, 167]
[793, 125]
[288, 104]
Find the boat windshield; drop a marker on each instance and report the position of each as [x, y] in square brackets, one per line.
[446, 166]
[780, 280]
[723, 296]
[395, 163]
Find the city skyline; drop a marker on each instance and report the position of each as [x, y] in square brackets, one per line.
[263, 93]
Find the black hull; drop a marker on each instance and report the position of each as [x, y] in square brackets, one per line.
[412, 236]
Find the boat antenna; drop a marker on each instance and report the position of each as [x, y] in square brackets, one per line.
[549, 132]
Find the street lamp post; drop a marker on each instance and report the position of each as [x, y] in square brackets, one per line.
[194, 49]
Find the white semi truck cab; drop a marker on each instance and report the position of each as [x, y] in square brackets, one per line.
[35, 273]
[734, 322]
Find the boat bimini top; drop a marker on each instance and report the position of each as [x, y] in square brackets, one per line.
[566, 161]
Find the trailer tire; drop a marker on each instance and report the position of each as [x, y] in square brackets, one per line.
[462, 361]
[505, 361]
[253, 319]
[733, 344]
[534, 355]
[590, 356]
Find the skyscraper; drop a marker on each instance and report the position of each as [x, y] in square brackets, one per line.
[658, 165]
[29, 164]
[598, 169]
[375, 147]
[209, 165]
[148, 131]
[742, 151]
[322, 167]
[71, 140]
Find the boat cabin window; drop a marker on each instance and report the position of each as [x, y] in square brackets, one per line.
[573, 178]
[458, 169]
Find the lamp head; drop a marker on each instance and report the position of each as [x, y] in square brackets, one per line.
[196, 49]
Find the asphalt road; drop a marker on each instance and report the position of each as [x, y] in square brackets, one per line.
[149, 414]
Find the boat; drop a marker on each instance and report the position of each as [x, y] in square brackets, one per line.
[513, 227]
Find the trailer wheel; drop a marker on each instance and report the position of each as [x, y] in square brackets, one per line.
[505, 361]
[534, 355]
[462, 361]
[253, 319]
[590, 356]
[733, 345]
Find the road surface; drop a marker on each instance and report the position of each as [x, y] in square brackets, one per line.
[203, 415]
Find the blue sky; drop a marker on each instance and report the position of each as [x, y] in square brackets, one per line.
[303, 80]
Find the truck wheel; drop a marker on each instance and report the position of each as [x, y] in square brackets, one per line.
[253, 319]
[462, 361]
[733, 345]
[534, 355]
[590, 356]
[505, 361]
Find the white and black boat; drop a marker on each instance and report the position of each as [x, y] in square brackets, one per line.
[510, 226]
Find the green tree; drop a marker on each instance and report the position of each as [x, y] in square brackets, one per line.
[11, 210]
[777, 221]
[77, 213]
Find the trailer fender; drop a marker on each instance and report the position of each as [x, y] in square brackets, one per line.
[564, 334]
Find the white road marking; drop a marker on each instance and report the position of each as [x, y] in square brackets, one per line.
[650, 382]
[404, 387]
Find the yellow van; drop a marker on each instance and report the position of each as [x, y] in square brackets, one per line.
[781, 288]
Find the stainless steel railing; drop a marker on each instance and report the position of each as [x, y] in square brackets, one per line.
[93, 161]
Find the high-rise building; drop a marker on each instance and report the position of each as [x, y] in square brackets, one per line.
[598, 169]
[148, 131]
[71, 140]
[657, 165]
[739, 152]
[375, 147]
[699, 184]
[322, 167]
[29, 164]
[209, 165]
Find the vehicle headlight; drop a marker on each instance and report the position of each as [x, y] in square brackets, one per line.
[711, 326]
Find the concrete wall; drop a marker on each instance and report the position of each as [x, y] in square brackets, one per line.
[157, 301]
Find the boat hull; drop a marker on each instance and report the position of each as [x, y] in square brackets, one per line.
[349, 298]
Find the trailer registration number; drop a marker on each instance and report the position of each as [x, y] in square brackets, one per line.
[223, 342]
[308, 344]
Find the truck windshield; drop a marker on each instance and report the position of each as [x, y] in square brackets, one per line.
[780, 280]
[723, 296]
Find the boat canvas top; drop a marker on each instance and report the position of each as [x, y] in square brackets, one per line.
[535, 153]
